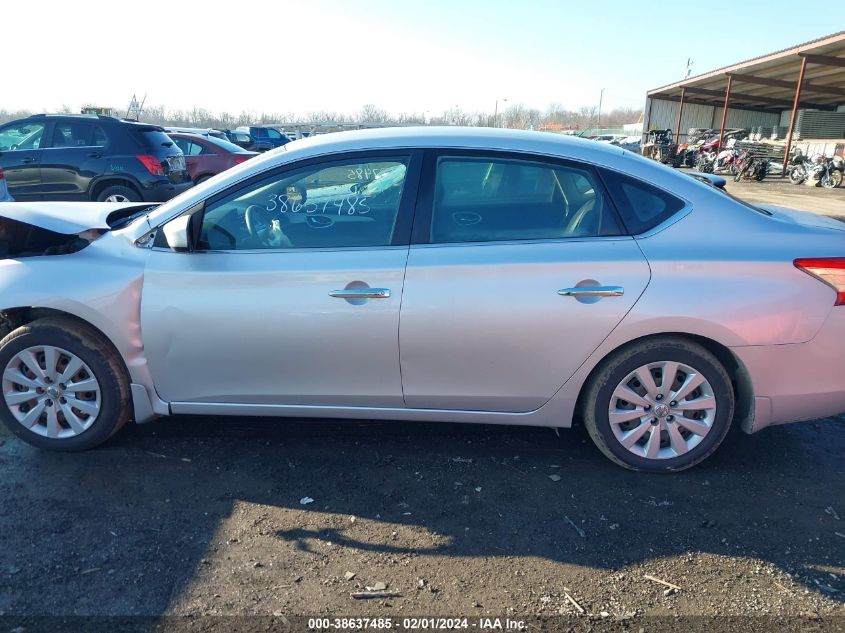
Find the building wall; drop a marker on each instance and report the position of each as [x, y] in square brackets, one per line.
[664, 114]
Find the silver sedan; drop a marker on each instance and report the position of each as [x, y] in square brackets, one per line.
[456, 275]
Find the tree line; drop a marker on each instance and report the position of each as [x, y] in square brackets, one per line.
[516, 116]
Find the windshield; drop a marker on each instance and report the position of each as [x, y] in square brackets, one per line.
[226, 145]
[149, 136]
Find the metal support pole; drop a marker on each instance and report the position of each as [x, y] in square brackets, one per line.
[725, 114]
[647, 126]
[794, 115]
[680, 113]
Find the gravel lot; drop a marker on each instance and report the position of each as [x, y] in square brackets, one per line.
[206, 516]
[779, 191]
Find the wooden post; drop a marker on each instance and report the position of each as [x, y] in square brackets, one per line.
[680, 114]
[794, 115]
[725, 114]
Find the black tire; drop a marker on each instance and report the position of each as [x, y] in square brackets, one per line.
[98, 355]
[619, 364]
[202, 178]
[119, 190]
[832, 180]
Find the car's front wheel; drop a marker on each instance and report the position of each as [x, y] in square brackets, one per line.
[660, 405]
[63, 386]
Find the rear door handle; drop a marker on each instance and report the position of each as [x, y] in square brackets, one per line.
[592, 291]
[361, 293]
[95, 155]
[28, 160]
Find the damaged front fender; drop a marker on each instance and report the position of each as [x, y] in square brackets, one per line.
[100, 284]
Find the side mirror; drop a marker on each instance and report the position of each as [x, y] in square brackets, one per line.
[177, 233]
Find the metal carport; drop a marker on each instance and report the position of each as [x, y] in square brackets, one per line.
[808, 76]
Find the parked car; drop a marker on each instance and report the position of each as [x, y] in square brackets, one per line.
[207, 156]
[201, 131]
[5, 196]
[246, 141]
[267, 135]
[608, 138]
[90, 157]
[538, 278]
[631, 143]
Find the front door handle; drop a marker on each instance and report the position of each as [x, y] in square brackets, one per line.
[361, 293]
[592, 291]
[28, 160]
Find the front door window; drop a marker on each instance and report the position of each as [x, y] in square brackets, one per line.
[331, 205]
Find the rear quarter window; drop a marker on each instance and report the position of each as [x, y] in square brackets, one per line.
[641, 205]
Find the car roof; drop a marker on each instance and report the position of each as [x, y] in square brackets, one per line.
[452, 137]
[95, 117]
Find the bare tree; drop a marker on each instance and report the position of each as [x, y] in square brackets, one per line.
[516, 116]
[372, 114]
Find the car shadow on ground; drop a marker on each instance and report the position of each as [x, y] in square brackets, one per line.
[127, 528]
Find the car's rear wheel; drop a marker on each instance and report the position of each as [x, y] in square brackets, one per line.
[63, 387]
[118, 193]
[660, 405]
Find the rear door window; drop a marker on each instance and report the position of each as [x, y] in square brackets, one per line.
[501, 199]
[72, 134]
[641, 205]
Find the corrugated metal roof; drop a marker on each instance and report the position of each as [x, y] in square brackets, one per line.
[768, 82]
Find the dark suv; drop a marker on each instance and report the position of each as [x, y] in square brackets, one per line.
[246, 141]
[265, 135]
[90, 157]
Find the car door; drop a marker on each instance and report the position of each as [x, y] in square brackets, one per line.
[291, 295]
[517, 271]
[73, 155]
[20, 158]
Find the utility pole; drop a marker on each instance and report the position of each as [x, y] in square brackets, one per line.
[496, 112]
[598, 122]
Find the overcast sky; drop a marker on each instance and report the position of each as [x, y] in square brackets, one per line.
[402, 55]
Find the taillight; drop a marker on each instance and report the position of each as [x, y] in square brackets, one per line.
[2, 174]
[152, 164]
[830, 270]
[241, 159]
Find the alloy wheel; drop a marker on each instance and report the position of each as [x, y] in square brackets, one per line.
[51, 392]
[116, 197]
[662, 410]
